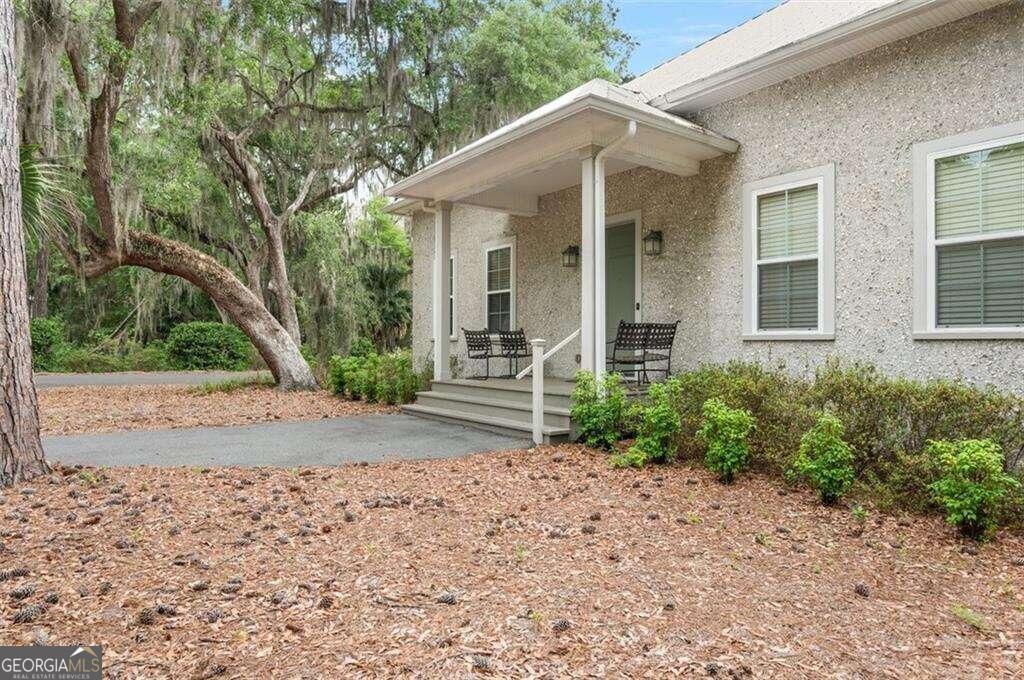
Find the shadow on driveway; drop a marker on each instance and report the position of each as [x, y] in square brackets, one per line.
[333, 441]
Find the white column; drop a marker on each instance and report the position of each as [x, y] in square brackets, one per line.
[600, 349]
[441, 289]
[538, 390]
[587, 267]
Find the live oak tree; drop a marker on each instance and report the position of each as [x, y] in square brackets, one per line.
[214, 140]
[21, 452]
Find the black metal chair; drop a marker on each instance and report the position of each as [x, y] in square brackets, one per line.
[479, 346]
[513, 346]
[660, 337]
[628, 349]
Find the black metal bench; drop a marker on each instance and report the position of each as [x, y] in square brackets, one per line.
[511, 345]
[636, 345]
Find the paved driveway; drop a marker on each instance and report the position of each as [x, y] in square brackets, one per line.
[317, 442]
[44, 380]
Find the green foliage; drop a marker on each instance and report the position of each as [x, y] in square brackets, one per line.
[887, 420]
[42, 191]
[657, 427]
[233, 385]
[48, 343]
[384, 378]
[207, 345]
[91, 360]
[724, 432]
[599, 409]
[825, 460]
[385, 262]
[971, 486]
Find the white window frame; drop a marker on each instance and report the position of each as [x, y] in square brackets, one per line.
[453, 298]
[925, 243]
[823, 177]
[500, 244]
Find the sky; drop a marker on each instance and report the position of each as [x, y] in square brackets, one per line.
[667, 28]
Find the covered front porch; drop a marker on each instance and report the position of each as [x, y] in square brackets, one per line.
[579, 139]
[593, 132]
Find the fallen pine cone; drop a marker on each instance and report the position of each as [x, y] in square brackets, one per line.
[446, 598]
[560, 625]
[28, 613]
[16, 572]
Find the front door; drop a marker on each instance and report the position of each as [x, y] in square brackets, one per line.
[620, 276]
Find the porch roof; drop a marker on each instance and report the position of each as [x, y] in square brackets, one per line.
[508, 169]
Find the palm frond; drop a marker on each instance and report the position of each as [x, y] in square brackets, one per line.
[43, 193]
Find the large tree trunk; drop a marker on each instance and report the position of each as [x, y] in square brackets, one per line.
[282, 286]
[21, 451]
[232, 297]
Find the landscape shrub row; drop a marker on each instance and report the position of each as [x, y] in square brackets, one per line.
[196, 345]
[893, 440]
[381, 378]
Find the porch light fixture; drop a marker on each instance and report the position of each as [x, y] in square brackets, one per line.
[652, 243]
[571, 257]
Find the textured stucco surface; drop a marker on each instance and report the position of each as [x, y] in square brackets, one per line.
[864, 115]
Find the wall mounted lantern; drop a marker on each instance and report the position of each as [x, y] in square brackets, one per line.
[652, 243]
[571, 257]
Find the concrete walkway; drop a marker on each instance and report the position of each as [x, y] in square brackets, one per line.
[44, 380]
[318, 442]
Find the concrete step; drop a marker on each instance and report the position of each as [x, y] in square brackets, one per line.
[557, 393]
[494, 408]
[513, 428]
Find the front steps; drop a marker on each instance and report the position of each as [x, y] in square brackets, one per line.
[497, 405]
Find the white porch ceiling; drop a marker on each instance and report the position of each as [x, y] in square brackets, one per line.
[540, 152]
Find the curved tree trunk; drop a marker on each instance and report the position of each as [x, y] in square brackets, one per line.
[21, 452]
[232, 297]
[282, 286]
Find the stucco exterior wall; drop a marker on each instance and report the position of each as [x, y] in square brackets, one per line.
[864, 115]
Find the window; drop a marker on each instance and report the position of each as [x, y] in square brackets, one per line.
[451, 298]
[969, 256]
[788, 277]
[500, 270]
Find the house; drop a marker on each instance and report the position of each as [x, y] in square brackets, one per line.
[831, 178]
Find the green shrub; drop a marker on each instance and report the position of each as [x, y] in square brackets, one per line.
[151, 357]
[825, 460]
[599, 409]
[361, 347]
[207, 345]
[48, 343]
[971, 486]
[91, 360]
[724, 432]
[772, 396]
[387, 378]
[657, 427]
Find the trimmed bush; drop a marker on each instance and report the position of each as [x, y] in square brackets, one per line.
[887, 421]
[48, 343]
[387, 378]
[825, 460]
[725, 432]
[971, 486]
[599, 409]
[151, 357]
[207, 345]
[657, 427]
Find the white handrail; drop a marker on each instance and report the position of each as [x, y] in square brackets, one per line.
[547, 355]
[539, 357]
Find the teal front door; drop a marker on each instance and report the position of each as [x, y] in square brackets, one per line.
[620, 277]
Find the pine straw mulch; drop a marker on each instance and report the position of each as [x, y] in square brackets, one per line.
[93, 409]
[545, 563]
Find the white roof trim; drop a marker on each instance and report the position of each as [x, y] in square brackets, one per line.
[865, 32]
[596, 95]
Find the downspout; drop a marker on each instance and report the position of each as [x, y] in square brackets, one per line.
[600, 348]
